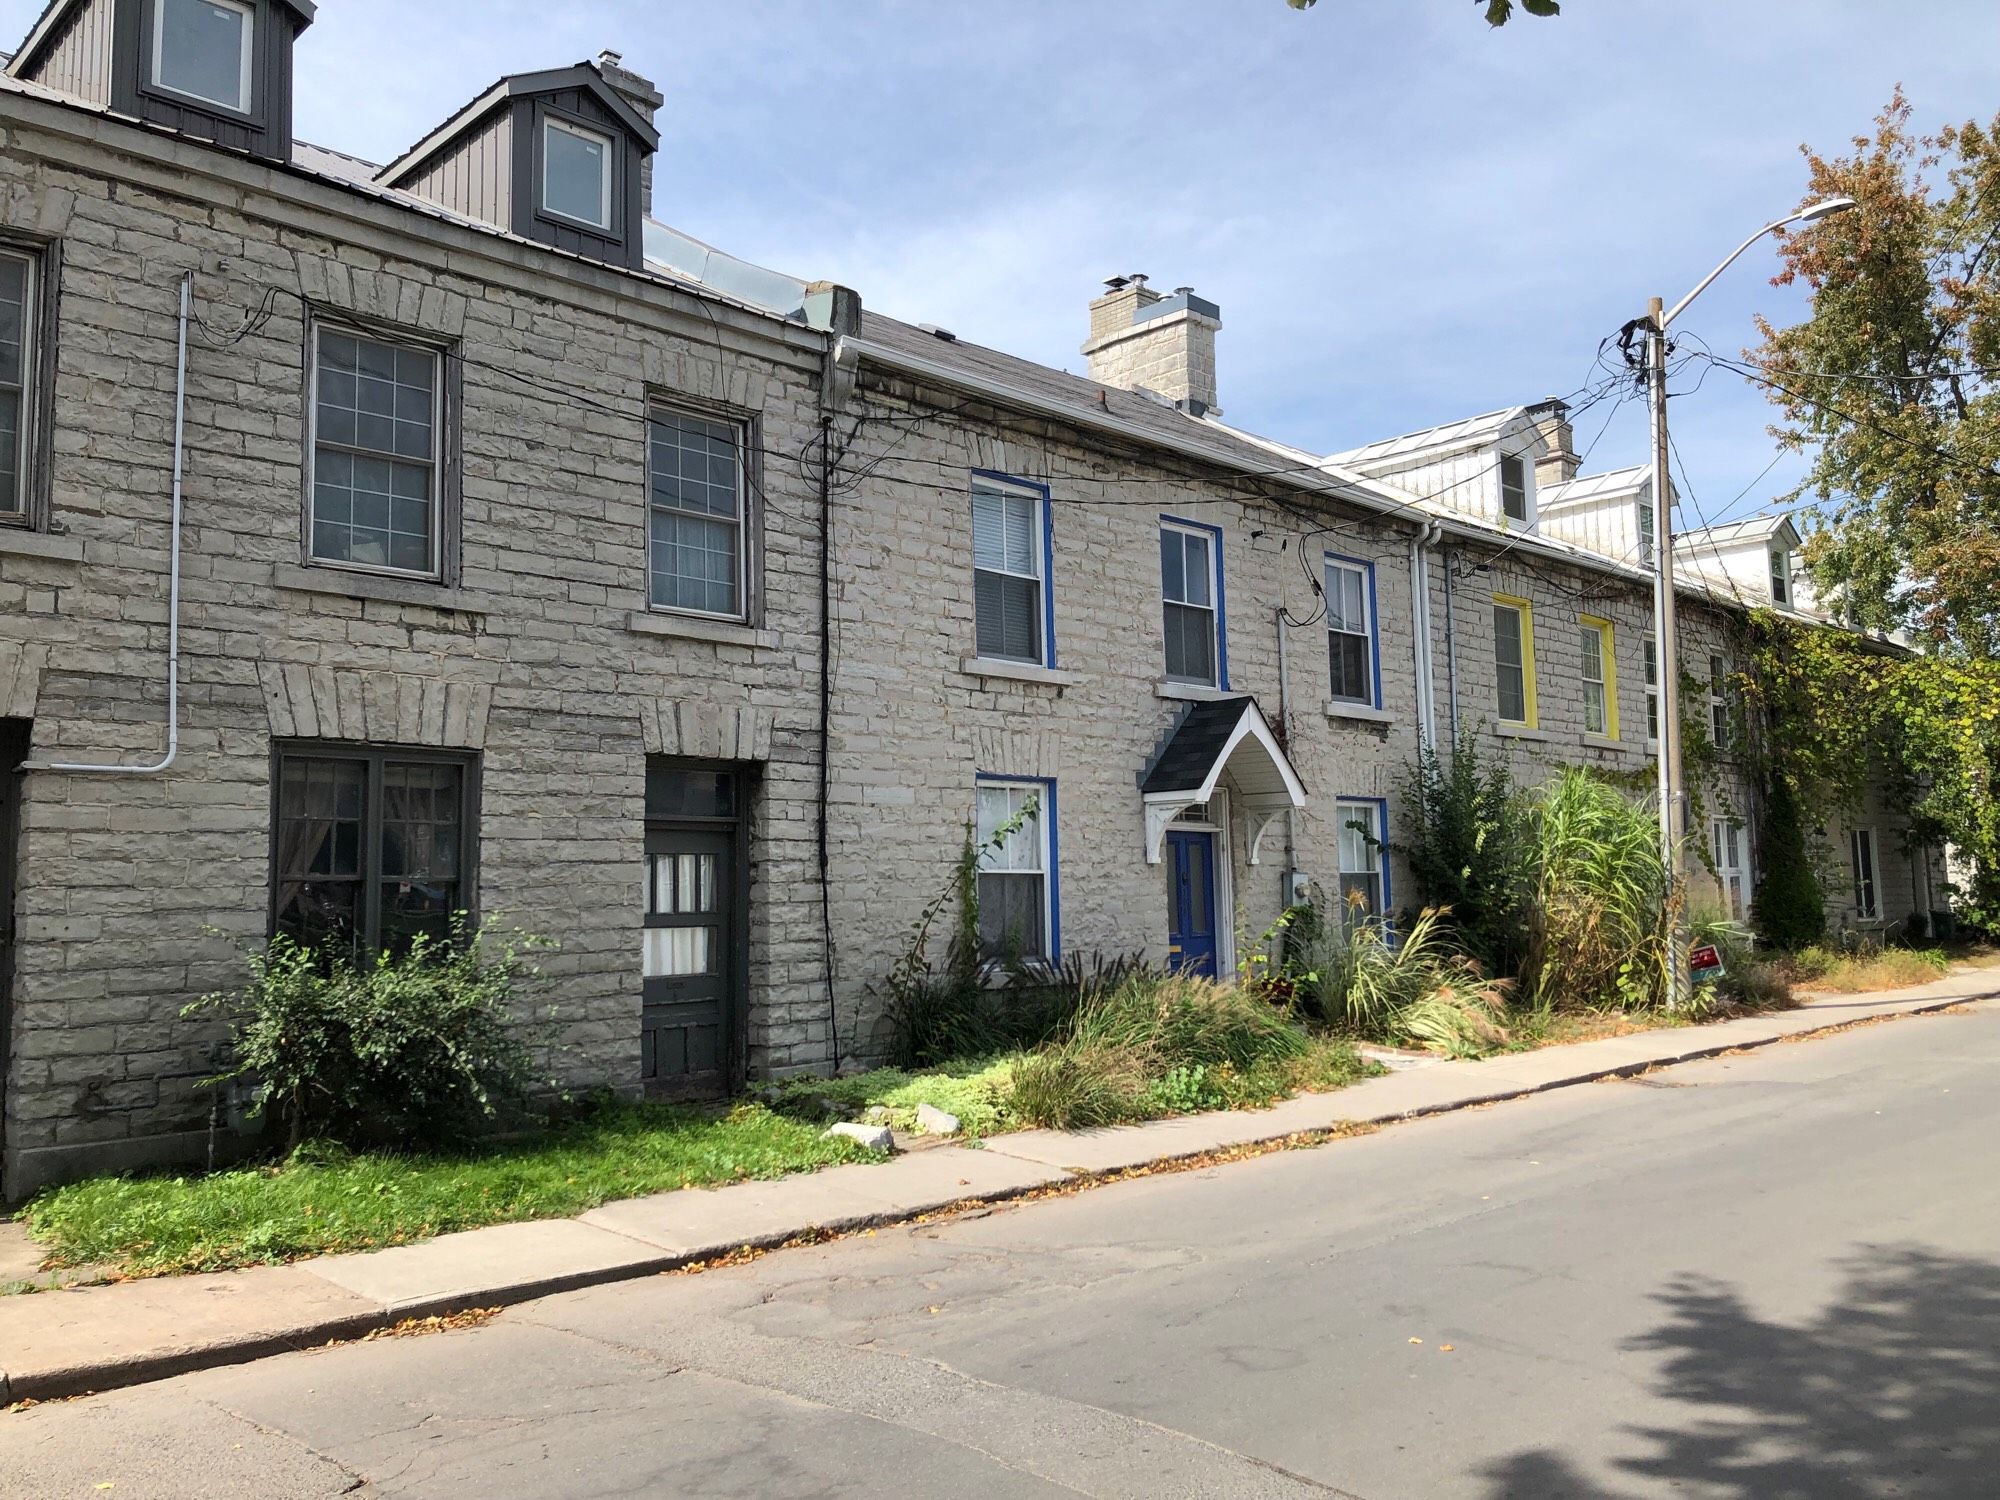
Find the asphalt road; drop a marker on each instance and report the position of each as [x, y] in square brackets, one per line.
[1775, 1275]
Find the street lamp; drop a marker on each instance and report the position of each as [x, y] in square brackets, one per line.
[1658, 319]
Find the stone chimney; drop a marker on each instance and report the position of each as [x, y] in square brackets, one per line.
[1140, 339]
[643, 97]
[1560, 463]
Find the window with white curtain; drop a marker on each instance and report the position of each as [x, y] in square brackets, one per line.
[1016, 916]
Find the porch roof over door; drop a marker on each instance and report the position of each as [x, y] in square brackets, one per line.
[1228, 735]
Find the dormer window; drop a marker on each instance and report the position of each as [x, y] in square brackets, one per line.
[202, 49]
[1648, 533]
[1781, 575]
[576, 173]
[1514, 487]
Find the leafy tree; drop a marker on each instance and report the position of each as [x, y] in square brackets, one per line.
[1890, 382]
[1467, 848]
[1788, 909]
[1498, 12]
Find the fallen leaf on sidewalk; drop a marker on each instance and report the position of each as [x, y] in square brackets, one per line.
[1416, 1341]
[1444, 1348]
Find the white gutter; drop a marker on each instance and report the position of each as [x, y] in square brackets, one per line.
[173, 578]
[1420, 619]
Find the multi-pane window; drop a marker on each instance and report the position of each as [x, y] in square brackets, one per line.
[695, 474]
[373, 847]
[1600, 676]
[1861, 854]
[1364, 859]
[1008, 555]
[1718, 701]
[680, 885]
[1189, 587]
[576, 173]
[1781, 575]
[17, 355]
[203, 48]
[375, 461]
[1732, 867]
[1652, 688]
[1350, 625]
[1514, 487]
[1016, 916]
[1648, 533]
[1514, 660]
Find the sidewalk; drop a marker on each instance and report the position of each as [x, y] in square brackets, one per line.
[64, 1343]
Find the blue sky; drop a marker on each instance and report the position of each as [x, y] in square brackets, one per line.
[1404, 216]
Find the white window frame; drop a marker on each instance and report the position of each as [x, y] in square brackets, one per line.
[1652, 660]
[1211, 541]
[1347, 811]
[1868, 892]
[245, 61]
[1366, 575]
[1718, 700]
[1600, 637]
[741, 428]
[1527, 489]
[1007, 492]
[582, 132]
[22, 511]
[1781, 575]
[1649, 533]
[1729, 844]
[438, 440]
[1040, 832]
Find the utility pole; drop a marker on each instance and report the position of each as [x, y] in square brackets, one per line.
[1666, 653]
[1658, 320]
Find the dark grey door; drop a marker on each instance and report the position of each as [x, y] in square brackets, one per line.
[13, 750]
[693, 969]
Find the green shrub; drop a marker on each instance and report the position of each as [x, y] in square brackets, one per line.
[1181, 1020]
[416, 1049]
[1463, 1019]
[979, 1092]
[1597, 886]
[1788, 908]
[1467, 849]
[1360, 979]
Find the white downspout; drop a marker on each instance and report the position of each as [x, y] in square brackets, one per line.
[173, 578]
[1420, 619]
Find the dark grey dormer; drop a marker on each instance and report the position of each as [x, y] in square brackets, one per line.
[555, 157]
[217, 70]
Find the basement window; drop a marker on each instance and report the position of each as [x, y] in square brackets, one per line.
[202, 50]
[576, 173]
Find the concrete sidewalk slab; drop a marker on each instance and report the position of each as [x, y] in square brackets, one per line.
[55, 1344]
[488, 1267]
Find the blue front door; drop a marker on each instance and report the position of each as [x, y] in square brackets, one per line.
[1191, 933]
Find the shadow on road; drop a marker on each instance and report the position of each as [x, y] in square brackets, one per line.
[1893, 1389]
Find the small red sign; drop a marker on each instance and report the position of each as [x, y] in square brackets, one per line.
[1706, 961]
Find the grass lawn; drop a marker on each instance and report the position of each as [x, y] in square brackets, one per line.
[257, 1215]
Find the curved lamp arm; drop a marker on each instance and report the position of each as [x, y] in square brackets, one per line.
[1809, 215]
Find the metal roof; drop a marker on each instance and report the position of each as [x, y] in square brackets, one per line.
[57, 11]
[1610, 484]
[1467, 432]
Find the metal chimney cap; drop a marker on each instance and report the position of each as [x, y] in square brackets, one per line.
[1115, 284]
[610, 58]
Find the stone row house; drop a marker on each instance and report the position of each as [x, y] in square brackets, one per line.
[380, 542]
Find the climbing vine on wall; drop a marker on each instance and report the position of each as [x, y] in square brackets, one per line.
[1827, 712]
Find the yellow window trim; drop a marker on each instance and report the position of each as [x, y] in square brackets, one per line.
[1607, 654]
[1526, 611]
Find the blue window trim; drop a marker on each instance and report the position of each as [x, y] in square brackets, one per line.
[1374, 629]
[1048, 810]
[1381, 806]
[1221, 595]
[1048, 553]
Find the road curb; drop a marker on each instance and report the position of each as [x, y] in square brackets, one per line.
[77, 1378]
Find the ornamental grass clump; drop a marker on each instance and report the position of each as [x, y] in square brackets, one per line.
[1596, 930]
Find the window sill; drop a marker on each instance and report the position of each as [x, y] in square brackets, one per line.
[19, 541]
[693, 628]
[1193, 692]
[1360, 712]
[996, 669]
[418, 591]
[1522, 732]
[1605, 742]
